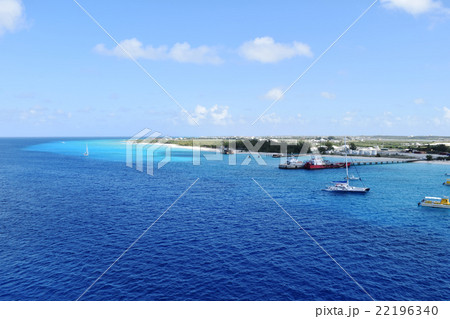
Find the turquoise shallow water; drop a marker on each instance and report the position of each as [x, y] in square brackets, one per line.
[65, 218]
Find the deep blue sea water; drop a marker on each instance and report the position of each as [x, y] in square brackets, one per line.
[64, 218]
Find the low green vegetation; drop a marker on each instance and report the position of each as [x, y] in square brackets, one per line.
[420, 144]
[435, 149]
[269, 146]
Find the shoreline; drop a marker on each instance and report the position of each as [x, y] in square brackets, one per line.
[359, 158]
[200, 148]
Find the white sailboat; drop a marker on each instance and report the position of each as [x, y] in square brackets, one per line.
[345, 187]
[87, 151]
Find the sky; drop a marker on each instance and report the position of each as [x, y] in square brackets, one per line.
[210, 68]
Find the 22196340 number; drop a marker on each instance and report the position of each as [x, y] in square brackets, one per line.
[403, 310]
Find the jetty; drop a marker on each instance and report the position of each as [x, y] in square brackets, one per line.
[294, 164]
[383, 162]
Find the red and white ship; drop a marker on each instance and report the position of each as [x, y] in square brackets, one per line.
[317, 162]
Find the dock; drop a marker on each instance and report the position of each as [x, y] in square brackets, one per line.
[301, 165]
[397, 161]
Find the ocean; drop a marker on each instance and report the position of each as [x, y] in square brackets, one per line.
[65, 218]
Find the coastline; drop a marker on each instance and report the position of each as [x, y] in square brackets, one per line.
[358, 158]
[200, 148]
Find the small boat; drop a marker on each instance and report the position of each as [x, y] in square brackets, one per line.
[292, 163]
[447, 182]
[345, 187]
[227, 151]
[87, 151]
[435, 202]
[447, 174]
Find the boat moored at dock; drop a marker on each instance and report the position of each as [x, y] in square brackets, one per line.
[292, 163]
[317, 162]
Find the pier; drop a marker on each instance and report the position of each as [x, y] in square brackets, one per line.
[383, 162]
[294, 164]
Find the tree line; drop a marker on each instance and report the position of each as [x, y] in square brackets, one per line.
[268, 146]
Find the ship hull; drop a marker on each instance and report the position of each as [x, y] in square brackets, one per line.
[434, 205]
[325, 166]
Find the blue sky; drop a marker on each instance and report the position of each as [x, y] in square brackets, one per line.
[225, 63]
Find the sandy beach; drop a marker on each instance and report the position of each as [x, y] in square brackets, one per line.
[198, 148]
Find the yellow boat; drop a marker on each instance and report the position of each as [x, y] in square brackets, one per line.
[447, 182]
[435, 202]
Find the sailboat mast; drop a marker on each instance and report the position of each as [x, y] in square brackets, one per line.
[346, 165]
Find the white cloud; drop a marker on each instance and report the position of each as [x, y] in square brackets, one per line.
[444, 119]
[180, 52]
[415, 7]
[349, 118]
[266, 50]
[220, 115]
[328, 95]
[199, 114]
[12, 15]
[217, 115]
[135, 48]
[446, 113]
[297, 119]
[271, 118]
[388, 123]
[419, 101]
[274, 94]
